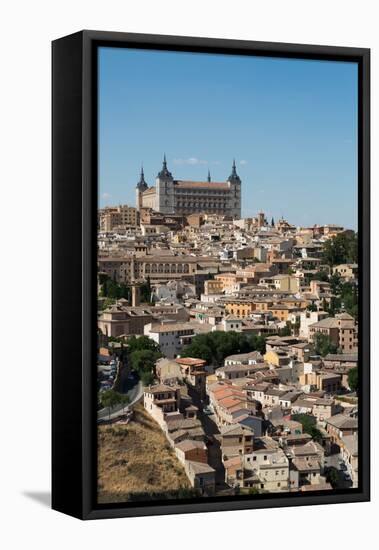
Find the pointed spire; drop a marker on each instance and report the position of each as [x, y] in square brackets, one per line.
[234, 176]
[142, 183]
[209, 176]
[164, 173]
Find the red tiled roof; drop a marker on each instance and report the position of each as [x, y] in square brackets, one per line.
[230, 402]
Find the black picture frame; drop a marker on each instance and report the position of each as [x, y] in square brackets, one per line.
[74, 271]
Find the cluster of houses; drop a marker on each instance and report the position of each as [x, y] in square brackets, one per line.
[172, 408]
[210, 272]
[262, 445]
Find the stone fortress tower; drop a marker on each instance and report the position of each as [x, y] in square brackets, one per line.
[140, 188]
[164, 186]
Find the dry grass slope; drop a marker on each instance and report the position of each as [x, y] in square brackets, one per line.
[136, 458]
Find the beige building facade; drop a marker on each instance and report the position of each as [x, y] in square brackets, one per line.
[171, 195]
[133, 267]
[342, 331]
[112, 217]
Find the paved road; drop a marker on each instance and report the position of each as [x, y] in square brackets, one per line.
[133, 388]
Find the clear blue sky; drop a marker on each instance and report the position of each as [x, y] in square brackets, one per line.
[290, 124]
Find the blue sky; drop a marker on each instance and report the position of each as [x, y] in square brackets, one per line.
[290, 124]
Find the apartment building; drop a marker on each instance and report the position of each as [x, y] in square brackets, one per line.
[112, 217]
[170, 337]
[342, 331]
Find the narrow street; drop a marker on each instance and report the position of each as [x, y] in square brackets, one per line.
[214, 446]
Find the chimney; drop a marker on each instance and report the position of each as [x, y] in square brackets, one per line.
[136, 295]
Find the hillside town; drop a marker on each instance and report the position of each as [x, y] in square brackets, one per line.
[237, 337]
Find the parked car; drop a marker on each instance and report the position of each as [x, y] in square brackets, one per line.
[207, 410]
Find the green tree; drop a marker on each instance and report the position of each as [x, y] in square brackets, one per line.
[215, 346]
[320, 276]
[335, 283]
[143, 353]
[258, 343]
[142, 360]
[109, 399]
[341, 249]
[309, 425]
[107, 302]
[114, 290]
[145, 290]
[352, 379]
[332, 476]
[285, 331]
[102, 278]
[199, 349]
[123, 400]
[323, 345]
[147, 378]
[349, 298]
[137, 343]
[334, 306]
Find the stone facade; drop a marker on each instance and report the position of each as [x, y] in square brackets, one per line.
[112, 217]
[171, 196]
